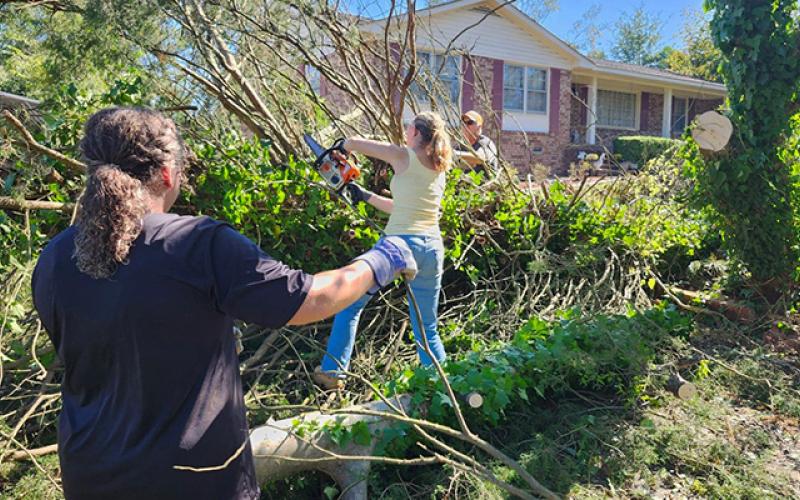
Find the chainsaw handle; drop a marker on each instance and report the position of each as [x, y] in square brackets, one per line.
[338, 145]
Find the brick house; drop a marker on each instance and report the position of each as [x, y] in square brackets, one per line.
[542, 100]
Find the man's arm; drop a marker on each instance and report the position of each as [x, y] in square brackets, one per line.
[332, 291]
[471, 158]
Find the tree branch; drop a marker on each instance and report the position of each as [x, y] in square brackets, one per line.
[74, 165]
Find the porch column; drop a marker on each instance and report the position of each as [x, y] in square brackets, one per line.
[666, 116]
[591, 116]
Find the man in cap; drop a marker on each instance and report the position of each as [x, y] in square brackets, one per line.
[481, 155]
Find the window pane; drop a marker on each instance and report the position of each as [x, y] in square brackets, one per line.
[423, 59]
[537, 79]
[512, 99]
[313, 77]
[448, 85]
[420, 87]
[679, 116]
[513, 87]
[616, 109]
[446, 65]
[537, 102]
[512, 77]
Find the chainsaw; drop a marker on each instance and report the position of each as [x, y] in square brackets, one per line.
[336, 173]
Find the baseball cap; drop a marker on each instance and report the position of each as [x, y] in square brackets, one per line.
[474, 116]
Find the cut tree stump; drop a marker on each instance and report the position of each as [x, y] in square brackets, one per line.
[712, 131]
[680, 387]
[473, 400]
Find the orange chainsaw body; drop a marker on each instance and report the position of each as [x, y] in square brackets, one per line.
[338, 173]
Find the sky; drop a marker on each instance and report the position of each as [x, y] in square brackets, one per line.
[670, 11]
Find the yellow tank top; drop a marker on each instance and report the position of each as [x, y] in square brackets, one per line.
[417, 194]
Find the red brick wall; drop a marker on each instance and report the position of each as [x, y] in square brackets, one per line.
[652, 125]
[482, 89]
[578, 112]
[700, 106]
[526, 149]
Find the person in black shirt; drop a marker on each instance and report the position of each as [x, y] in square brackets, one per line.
[140, 305]
[481, 155]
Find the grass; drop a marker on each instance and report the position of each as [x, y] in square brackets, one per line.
[739, 438]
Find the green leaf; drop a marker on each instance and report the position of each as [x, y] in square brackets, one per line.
[330, 492]
[361, 434]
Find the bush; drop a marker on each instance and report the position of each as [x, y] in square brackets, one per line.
[640, 149]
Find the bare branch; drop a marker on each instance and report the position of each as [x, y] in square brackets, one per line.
[74, 165]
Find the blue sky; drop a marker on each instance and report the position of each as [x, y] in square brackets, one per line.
[670, 11]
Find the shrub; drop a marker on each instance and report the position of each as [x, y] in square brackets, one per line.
[640, 149]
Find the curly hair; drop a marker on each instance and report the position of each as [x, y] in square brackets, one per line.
[125, 149]
[434, 134]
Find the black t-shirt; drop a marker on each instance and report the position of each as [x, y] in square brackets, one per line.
[151, 376]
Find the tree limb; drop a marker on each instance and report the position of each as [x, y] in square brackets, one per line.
[74, 165]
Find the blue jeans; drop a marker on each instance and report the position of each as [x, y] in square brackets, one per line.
[429, 254]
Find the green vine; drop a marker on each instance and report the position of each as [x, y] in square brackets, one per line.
[751, 186]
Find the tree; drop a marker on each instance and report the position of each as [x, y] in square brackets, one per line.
[699, 57]
[638, 36]
[45, 45]
[587, 33]
[753, 187]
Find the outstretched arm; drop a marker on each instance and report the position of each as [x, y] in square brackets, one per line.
[382, 203]
[332, 291]
[396, 156]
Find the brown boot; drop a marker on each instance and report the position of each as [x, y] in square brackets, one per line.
[329, 382]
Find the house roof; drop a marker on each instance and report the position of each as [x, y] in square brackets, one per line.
[615, 67]
[598, 67]
[506, 9]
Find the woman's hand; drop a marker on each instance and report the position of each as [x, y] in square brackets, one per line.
[358, 193]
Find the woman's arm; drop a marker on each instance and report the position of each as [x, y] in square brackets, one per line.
[332, 291]
[396, 156]
[382, 203]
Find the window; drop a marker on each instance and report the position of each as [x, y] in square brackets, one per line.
[438, 75]
[616, 109]
[524, 89]
[680, 110]
[313, 77]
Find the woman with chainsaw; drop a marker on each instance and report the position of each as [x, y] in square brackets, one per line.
[140, 304]
[417, 187]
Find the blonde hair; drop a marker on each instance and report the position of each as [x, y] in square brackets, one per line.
[435, 139]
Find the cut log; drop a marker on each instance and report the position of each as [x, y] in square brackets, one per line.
[473, 400]
[712, 131]
[680, 387]
[279, 452]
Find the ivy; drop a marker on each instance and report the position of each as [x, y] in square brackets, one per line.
[544, 359]
[752, 186]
